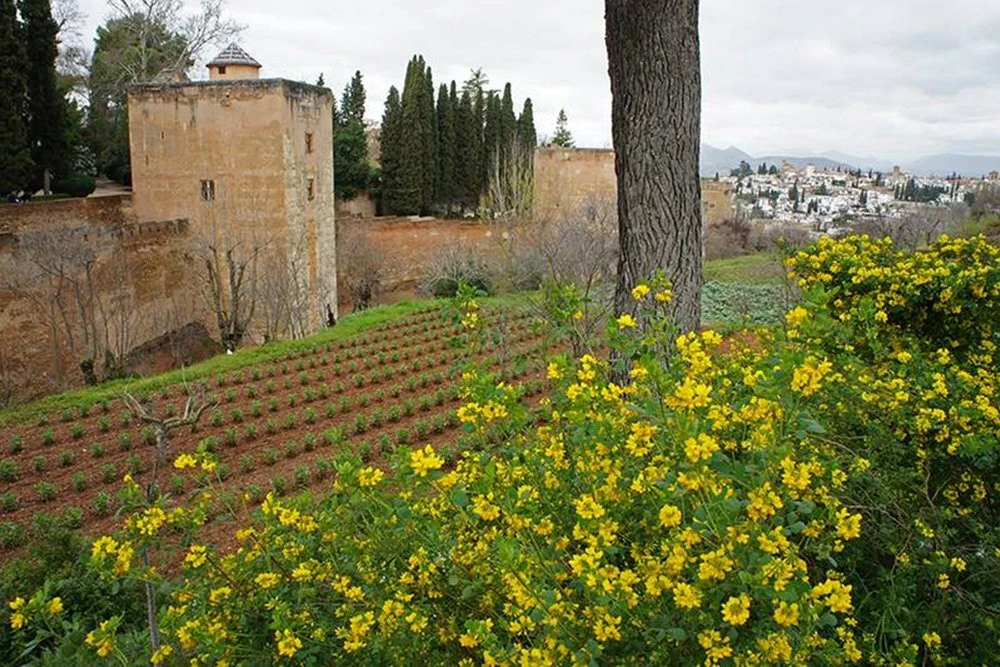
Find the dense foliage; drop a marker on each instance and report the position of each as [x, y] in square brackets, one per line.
[819, 494]
[441, 156]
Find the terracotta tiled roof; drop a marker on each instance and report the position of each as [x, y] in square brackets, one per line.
[233, 55]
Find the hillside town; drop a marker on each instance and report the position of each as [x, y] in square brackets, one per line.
[833, 201]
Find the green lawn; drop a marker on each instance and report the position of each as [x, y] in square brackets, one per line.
[764, 267]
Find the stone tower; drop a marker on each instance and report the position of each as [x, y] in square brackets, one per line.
[245, 160]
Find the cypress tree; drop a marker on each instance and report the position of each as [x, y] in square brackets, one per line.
[352, 104]
[465, 169]
[492, 136]
[446, 146]
[390, 159]
[408, 200]
[15, 154]
[508, 125]
[46, 106]
[429, 152]
[527, 137]
[478, 174]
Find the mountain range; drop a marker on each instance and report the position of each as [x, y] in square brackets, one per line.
[715, 160]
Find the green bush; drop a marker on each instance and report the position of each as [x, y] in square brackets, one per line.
[77, 185]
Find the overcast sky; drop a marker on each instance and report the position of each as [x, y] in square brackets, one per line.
[889, 78]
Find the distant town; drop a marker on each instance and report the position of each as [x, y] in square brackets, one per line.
[832, 200]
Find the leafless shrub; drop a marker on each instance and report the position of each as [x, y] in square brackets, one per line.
[918, 227]
[457, 263]
[362, 264]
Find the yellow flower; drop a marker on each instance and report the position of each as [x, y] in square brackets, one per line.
[797, 316]
[161, 654]
[588, 508]
[639, 292]
[370, 476]
[197, 555]
[932, 640]
[663, 296]
[423, 461]
[626, 321]
[553, 371]
[687, 596]
[670, 516]
[736, 610]
[848, 525]
[486, 510]
[606, 628]
[943, 581]
[787, 614]
[185, 461]
[288, 643]
[17, 620]
[55, 606]
[578, 315]
[16, 603]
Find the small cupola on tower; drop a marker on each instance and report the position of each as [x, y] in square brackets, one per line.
[233, 63]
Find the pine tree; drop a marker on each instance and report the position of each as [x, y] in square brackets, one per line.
[390, 160]
[47, 108]
[352, 102]
[562, 136]
[446, 145]
[15, 155]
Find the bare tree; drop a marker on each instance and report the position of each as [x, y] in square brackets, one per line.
[195, 405]
[159, 28]
[654, 63]
[78, 281]
[917, 227]
[362, 264]
[510, 187]
[283, 290]
[580, 253]
[230, 270]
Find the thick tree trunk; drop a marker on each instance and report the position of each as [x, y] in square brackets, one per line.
[654, 63]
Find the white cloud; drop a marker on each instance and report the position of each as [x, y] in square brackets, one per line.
[894, 78]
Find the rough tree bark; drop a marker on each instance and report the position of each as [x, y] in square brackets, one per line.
[654, 64]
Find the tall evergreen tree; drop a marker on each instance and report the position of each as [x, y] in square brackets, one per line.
[430, 185]
[466, 169]
[478, 175]
[391, 157]
[351, 171]
[562, 136]
[352, 102]
[508, 125]
[418, 159]
[15, 154]
[527, 137]
[446, 145]
[492, 135]
[46, 106]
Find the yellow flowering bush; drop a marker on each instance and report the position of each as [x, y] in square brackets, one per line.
[821, 493]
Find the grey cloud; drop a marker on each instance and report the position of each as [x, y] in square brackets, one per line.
[894, 78]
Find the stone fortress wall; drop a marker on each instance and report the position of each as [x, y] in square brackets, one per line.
[566, 178]
[151, 234]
